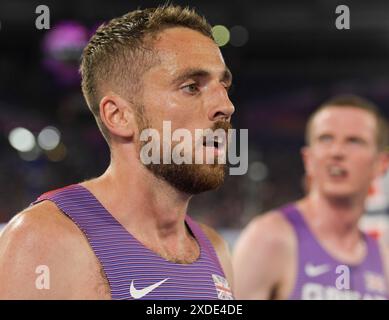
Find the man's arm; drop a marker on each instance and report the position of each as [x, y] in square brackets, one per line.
[39, 256]
[261, 256]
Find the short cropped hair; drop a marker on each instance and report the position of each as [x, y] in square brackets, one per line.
[353, 101]
[121, 51]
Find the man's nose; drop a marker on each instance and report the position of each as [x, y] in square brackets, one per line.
[221, 106]
[338, 150]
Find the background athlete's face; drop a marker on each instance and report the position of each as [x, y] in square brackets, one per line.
[343, 157]
[188, 87]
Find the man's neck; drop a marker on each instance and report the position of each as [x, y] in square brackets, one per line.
[144, 204]
[336, 218]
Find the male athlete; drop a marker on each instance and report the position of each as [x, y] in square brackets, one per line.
[125, 234]
[313, 249]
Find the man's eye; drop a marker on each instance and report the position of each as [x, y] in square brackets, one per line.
[356, 141]
[191, 88]
[325, 138]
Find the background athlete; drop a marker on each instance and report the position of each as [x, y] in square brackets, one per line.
[300, 251]
[125, 234]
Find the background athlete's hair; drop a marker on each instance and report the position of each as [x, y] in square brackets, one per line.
[354, 101]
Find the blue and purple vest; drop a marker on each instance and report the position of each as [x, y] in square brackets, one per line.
[132, 270]
[321, 277]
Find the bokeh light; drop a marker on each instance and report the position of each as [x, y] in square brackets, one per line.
[239, 36]
[221, 35]
[49, 138]
[257, 171]
[21, 139]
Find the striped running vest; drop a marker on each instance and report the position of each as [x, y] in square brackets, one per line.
[132, 270]
[321, 277]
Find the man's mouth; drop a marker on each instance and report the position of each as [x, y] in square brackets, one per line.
[337, 171]
[215, 142]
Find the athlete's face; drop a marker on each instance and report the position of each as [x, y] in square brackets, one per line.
[343, 157]
[188, 87]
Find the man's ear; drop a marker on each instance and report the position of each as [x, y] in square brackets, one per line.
[305, 156]
[383, 163]
[117, 114]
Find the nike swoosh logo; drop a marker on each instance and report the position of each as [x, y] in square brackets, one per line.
[137, 294]
[314, 271]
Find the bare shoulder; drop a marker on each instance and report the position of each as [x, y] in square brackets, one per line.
[39, 227]
[270, 228]
[262, 255]
[222, 250]
[40, 236]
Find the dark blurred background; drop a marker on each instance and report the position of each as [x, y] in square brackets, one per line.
[286, 57]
